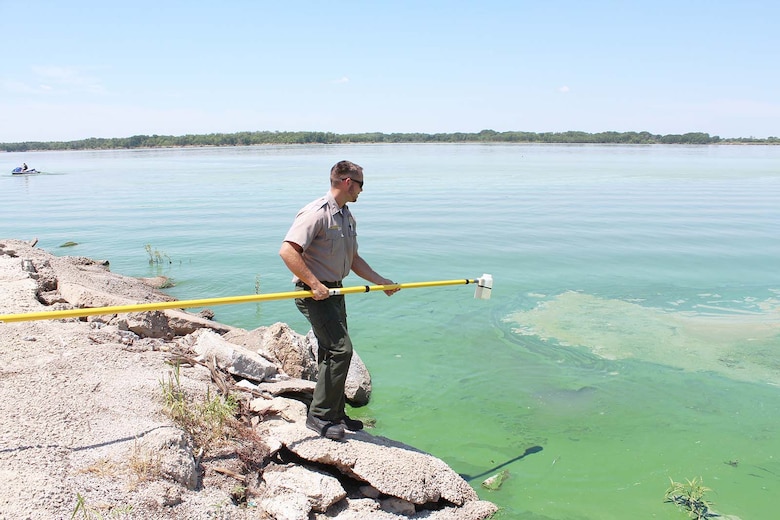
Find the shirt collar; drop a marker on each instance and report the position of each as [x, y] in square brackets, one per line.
[333, 205]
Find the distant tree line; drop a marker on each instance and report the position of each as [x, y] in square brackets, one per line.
[485, 136]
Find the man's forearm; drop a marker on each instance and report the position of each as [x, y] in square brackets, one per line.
[361, 268]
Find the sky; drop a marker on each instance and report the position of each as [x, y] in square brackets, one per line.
[80, 69]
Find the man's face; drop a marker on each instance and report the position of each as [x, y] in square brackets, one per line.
[355, 186]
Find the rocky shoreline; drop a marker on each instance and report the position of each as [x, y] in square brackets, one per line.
[87, 428]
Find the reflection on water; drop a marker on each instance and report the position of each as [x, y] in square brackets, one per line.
[738, 343]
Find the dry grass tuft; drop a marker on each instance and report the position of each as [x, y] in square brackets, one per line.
[144, 465]
[104, 467]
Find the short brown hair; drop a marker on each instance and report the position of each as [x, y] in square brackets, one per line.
[342, 170]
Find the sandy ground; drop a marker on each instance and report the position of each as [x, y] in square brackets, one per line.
[74, 403]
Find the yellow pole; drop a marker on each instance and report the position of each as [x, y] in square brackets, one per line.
[140, 307]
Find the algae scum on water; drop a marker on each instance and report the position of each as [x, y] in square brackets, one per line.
[739, 343]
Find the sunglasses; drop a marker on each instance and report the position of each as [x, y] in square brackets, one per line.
[359, 183]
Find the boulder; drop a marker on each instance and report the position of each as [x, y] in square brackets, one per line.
[296, 355]
[157, 282]
[286, 506]
[91, 284]
[80, 296]
[287, 386]
[397, 506]
[235, 359]
[169, 447]
[84, 283]
[288, 409]
[320, 489]
[282, 345]
[151, 324]
[392, 468]
[184, 323]
[357, 388]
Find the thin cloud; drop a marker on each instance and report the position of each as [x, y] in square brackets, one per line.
[564, 89]
[53, 78]
[341, 80]
[16, 87]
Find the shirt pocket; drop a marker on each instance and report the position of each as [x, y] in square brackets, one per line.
[335, 239]
[352, 228]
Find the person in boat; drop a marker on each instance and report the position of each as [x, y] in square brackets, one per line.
[320, 249]
[24, 167]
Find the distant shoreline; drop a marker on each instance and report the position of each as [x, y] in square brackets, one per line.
[278, 138]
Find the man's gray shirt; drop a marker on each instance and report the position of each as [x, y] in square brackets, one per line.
[328, 237]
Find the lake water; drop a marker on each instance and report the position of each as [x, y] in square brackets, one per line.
[633, 333]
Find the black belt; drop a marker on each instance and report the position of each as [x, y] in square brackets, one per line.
[330, 285]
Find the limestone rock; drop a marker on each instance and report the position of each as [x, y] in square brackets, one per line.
[184, 323]
[287, 386]
[287, 506]
[369, 491]
[291, 350]
[91, 282]
[321, 490]
[81, 296]
[151, 324]
[393, 468]
[234, 358]
[296, 355]
[157, 282]
[171, 450]
[397, 506]
[357, 389]
[288, 409]
[279, 343]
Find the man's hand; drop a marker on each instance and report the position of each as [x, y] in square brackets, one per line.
[320, 291]
[389, 292]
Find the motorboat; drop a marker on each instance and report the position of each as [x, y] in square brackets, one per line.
[19, 171]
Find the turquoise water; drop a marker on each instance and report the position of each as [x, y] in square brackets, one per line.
[633, 335]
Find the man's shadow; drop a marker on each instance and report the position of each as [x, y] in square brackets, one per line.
[528, 451]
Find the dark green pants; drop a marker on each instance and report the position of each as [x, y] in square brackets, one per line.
[328, 320]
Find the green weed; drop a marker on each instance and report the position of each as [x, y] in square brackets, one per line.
[84, 511]
[156, 257]
[209, 421]
[690, 497]
[239, 494]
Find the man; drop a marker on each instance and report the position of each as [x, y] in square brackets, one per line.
[321, 249]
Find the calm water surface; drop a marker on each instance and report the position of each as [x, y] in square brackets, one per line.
[633, 335]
